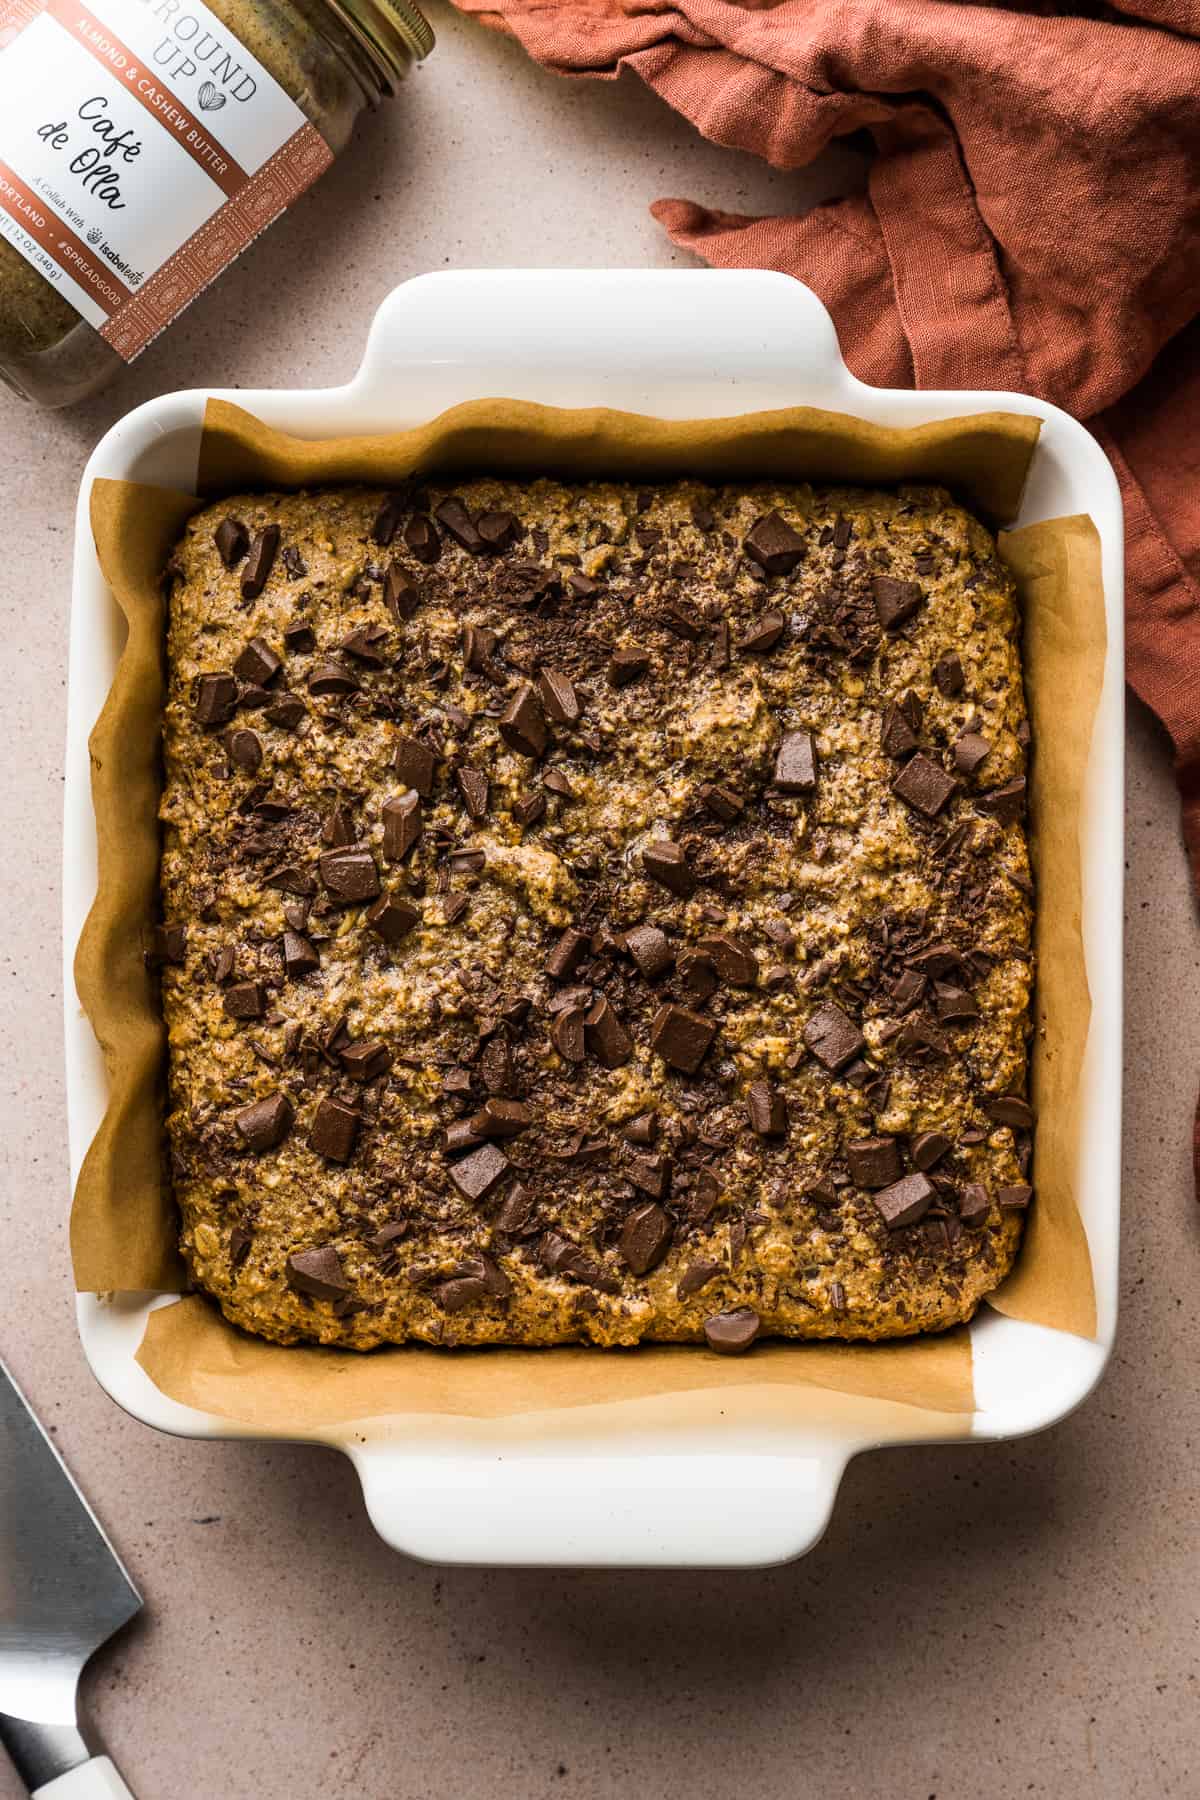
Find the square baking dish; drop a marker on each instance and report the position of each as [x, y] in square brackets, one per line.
[739, 1490]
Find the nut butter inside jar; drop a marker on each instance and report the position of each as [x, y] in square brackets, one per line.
[144, 143]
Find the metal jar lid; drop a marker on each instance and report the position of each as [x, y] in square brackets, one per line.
[393, 33]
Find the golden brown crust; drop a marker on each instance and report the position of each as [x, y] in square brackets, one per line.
[844, 895]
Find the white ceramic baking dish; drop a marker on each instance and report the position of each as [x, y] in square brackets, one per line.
[677, 344]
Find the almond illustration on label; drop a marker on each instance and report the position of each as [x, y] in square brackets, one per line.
[211, 97]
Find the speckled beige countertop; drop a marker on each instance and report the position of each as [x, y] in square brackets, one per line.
[977, 1624]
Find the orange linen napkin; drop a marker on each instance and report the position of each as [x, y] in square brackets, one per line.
[1031, 221]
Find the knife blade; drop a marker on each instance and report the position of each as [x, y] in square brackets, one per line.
[63, 1593]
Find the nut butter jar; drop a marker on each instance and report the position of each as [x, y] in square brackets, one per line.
[144, 143]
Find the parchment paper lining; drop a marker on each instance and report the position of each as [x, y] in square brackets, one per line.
[123, 1223]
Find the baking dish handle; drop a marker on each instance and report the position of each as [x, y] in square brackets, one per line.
[525, 333]
[633, 1508]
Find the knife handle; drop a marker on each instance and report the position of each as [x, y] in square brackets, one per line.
[96, 1779]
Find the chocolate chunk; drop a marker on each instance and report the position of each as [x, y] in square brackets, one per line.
[1014, 1199]
[918, 1039]
[905, 1201]
[286, 712]
[773, 545]
[299, 640]
[290, 880]
[265, 1124]
[666, 863]
[697, 1275]
[974, 1204]
[515, 1210]
[258, 663]
[1007, 803]
[627, 665]
[723, 802]
[244, 749]
[459, 1291]
[682, 1038]
[559, 698]
[641, 1130]
[462, 1135]
[414, 763]
[331, 677]
[338, 829]
[925, 785]
[969, 751]
[522, 724]
[392, 919]
[452, 514]
[221, 962]
[567, 1034]
[350, 875]
[729, 1333]
[571, 949]
[401, 594]
[478, 646]
[473, 786]
[421, 536]
[498, 530]
[928, 1148]
[652, 1174]
[936, 960]
[897, 737]
[895, 601]
[698, 973]
[246, 1000]
[387, 519]
[556, 781]
[766, 1109]
[763, 634]
[498, 1118]
[401, 826]
[334, 1130]
[564, 1258]
[837, 1297]
[232, 540]
[645, 1238]
[496, 1067]
[299, 956]
[907, 990]
[734, 963]
[833, 1039]
[216, 698]
[948, 674]
[318, 1273]
[796, 764]
[529, 809]
[605, 1036]
[582, 586]
[650, 950]
[477, 1174]
[1010, 1109]
[954, 1006]
[260, 562]
[366, 1059]
[240, 1241]
[874, 1162]
[367, 645]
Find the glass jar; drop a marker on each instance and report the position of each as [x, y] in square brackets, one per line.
[143, 143]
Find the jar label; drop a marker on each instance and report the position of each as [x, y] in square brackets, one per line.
[142, 147]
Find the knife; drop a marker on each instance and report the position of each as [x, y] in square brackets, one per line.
[63, 1593]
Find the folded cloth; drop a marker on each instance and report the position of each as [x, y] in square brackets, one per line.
[1031, 220]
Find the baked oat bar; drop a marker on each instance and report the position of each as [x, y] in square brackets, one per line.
[595, 912]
